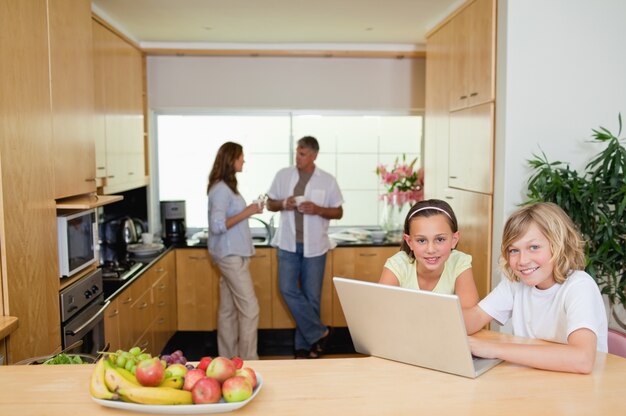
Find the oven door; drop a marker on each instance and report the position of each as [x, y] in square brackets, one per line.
[88, 326]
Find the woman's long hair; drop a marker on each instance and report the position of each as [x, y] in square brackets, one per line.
[224, 166]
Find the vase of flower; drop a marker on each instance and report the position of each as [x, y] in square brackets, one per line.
[393, 213]
[404, 184]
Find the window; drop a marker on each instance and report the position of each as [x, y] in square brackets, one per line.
[351, 146]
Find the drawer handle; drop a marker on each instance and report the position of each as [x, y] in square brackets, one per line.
[161, 321]
[162, 286]
[474, 94]
[160, 270]
[462, 97]
[114, 314]
[143, 305]
[128, 300]
[452, 177]
[367, 254]
[161, 304]
[144, 345]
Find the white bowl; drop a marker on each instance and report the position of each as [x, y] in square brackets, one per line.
[378, 236]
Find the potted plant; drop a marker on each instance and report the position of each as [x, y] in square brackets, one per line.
[595, 200]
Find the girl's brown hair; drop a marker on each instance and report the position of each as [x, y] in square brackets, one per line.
[428, 208]
[224, 166]
[566, 244]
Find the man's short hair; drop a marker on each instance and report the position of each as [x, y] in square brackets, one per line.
[309, 142]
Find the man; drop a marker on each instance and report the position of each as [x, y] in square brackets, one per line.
[308, 199]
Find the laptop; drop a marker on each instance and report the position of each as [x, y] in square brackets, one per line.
[415, 327]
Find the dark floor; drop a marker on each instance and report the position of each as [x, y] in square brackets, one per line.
[271, 342]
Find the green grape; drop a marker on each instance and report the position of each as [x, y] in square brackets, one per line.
[135, 351]
[133, 369]
[121, 361]
[130, 364]
[144, 356]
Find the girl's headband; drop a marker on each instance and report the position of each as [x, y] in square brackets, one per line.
[426, 208]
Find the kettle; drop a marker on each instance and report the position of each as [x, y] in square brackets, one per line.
[132, 228]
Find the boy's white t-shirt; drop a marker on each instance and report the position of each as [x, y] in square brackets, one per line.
[551, 314]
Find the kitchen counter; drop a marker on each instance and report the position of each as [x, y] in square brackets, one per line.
[351, 386]
[8, 324]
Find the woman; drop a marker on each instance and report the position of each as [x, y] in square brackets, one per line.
[230, 246]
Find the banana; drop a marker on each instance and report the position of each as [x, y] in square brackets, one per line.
[98, 387]
[155, 395]
[114, 380]
[127, 375]
[173, 382]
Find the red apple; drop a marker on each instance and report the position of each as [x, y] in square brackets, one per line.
[192, 378]
[221, 368]
[206, 390]
[204, 363]
[150, 373]
[238, 362]
[249, 374]
[236, 389]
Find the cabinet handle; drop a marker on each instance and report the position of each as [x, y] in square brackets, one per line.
[462, 97]
[160, 270]
[111, 176]
[474, 94]
[143, 305]
[449, 197]
[128, 300]
[161, 304]
[161, 321]
[144, 345]
[367, 254]
[100, 167]
[90, 180]
[452, 177]
[131, 173]
[162, 286]
[114, 314]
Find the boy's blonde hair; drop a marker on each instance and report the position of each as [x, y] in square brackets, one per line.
[566, 244]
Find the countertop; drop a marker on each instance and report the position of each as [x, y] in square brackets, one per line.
[8, 324]
[355, 386]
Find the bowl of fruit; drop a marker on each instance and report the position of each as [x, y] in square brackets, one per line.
[134, 380]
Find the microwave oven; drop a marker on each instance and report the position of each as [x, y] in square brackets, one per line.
[78, 241]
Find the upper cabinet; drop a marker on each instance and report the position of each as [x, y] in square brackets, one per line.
[473, 55]
[119, 105]
[72, 97]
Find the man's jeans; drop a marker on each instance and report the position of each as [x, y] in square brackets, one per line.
[300, 280]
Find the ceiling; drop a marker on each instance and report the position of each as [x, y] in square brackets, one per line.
[353, 24]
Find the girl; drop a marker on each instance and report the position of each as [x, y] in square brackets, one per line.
[230, 245]
[427, 259]
[547, 295]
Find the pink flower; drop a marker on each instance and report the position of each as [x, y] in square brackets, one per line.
[404, 183]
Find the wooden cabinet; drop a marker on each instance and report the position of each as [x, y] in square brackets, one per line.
[262, 268]
[119, 96]
[471, 149]
[473, 55]
[459, 144]
[473, 211]
[144, 314]
[197, 290]
[28, 258]
[72, 97]
[362, 263]
[164, 291]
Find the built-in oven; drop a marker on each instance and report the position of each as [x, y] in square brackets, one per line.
[82, 314]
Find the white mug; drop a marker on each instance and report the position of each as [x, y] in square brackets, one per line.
[299, 199]
[147, 238]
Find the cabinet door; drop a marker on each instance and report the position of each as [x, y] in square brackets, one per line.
[473, 212]
[473, 55]
[361, 263]
[437, 126]
[481, 51]
[262, 266]
[164, 292]
[72, 96]
[142, 311]
[125, 319]
[470, 164]
[196, 290]
[112, 325]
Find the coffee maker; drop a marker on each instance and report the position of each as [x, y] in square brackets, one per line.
[173, 221]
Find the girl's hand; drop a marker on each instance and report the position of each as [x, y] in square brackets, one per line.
[255, 208]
